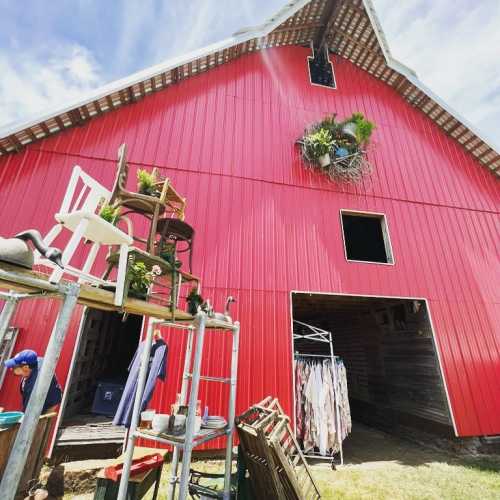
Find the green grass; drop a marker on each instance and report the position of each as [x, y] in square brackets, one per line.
[385, 468]
[433, 480]
[452, 480]
[474, 479]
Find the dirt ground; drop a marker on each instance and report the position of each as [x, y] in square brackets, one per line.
[378, 466]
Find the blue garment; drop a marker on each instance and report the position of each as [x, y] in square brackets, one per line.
[54, 395]
[157, 370]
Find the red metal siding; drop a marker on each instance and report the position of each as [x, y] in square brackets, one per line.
[266, 226]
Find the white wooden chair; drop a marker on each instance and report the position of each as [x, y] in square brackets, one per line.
[78, 214]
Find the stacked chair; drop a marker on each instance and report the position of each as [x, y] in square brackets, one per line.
[167, 235]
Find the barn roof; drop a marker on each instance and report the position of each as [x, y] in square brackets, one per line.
[350, 28]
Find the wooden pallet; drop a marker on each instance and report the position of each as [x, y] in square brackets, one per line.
[277, 468]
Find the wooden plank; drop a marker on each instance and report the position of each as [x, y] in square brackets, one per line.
[16, 143]
[59, 122]
[110, 102]
[97, 107]
[89, 296]
[44, 128]
[131, 94]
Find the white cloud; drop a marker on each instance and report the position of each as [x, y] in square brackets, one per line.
[455, 49]
[173, 28]
[34, 80]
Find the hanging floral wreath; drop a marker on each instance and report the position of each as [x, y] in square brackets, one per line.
[339, 148]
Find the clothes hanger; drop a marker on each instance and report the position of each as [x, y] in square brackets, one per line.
[157, 335]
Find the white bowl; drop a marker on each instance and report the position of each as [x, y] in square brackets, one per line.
[160, 422]
[147, 415]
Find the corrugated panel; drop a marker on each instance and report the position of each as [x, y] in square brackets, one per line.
[266, 226]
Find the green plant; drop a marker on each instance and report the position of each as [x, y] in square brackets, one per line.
[140, 277]
[194, 299]
[318, 143]
[109, 213]
[167, 253]
[364, 127]
[146, 182]
[329, 123]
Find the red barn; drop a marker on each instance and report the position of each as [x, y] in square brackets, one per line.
[418, 328]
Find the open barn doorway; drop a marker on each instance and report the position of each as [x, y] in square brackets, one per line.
[392, 370]
[105, 348]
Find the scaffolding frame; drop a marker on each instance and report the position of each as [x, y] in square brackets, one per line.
[319, 335]
[39, 289]
[22, 284]
[189, 393]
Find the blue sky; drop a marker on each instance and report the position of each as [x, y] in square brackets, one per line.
[53, 52]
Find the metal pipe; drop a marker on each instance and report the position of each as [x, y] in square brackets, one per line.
[231, 412]
[200, 321]
[129, 452]
[24, 438]
[184, 390]
[6, 315]
[300, 355]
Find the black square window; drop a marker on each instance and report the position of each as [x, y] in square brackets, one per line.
[366, 238]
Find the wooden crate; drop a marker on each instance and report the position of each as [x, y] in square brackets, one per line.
[275, 462]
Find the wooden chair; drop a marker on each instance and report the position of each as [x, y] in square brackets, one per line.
[168, 203]
[179, 235]
[83, 198]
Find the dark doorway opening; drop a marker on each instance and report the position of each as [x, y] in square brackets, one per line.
[387, 346]
[106, 348]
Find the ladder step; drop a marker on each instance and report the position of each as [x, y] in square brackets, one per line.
[224, 380]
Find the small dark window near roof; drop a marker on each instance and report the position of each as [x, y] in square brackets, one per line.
[366, 237]
[321, 69]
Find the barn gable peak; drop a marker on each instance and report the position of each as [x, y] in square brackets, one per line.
[349, 28]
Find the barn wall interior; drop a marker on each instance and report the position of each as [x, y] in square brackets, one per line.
[393, 373]
[265, 225]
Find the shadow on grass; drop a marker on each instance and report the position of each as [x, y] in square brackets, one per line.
[368, 445]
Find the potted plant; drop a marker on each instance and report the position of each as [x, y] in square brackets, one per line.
[167, 253]
[194, 300]
[339, 146]
[146, 183]
[318, 145]
[110, 214]
[140, 279]
[358, 128]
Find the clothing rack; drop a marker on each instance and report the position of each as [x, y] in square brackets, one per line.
[316, 334]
